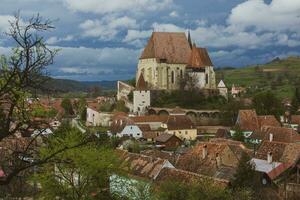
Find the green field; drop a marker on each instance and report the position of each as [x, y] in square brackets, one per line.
[280, 76]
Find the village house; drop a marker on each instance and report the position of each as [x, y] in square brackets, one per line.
[168, 57]
[181, 126]
[168, 141]
[217, 159]
[276, 134]
[248, 121]
[237, 91]
[131, 130]
[223, 90]
[94, 117]
[278, 163]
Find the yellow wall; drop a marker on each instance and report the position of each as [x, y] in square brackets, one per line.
[188, 134]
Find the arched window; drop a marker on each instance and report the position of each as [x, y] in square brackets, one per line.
[181, 74]
[172, 77]
[206, 78]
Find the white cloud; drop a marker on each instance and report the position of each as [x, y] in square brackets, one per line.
[116, 6]
[55, 40]
[4, 22]
[167, 28]
[279, 15]
[108, 27]
[173, 14]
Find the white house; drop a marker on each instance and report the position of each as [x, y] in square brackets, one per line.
[95, 118]
[141, 97]
[132, 131]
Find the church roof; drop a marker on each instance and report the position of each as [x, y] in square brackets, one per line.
[199, 58]
[170, 47]
[141, 83]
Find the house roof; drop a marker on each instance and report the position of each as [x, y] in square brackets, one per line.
[149, 119]
[172, 47]
[295, 119]
[119, 122]
[144, 127]
[170, 156]
[193, 161]
[150, 134]
[247, 120]
[281, 152]
[141, 165]
[164, 137]
[141, 83]
[222, 133]
[268, 120]
[179, 122]
[188, 177]
[199, 58]
[280, 134]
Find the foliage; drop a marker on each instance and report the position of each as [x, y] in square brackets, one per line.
[78, 173]
[39, 111]
[132, 82]
[245, 176]
[94, 91]
[120, 107]
[203, 190]
[266, 103]
[106, 107]
[296, 100]
[67, 106]
[238, 135]
[188, 99]
[229, 111]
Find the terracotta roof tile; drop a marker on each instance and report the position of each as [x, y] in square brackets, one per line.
[170, 156]
[179, 122]
[171, 47]
[149, 118]
[188, 177]
[199, 58]
[247, 120]
[150, 134]
[280, 134]
[295, 119]
[164, 137]
[268, 120]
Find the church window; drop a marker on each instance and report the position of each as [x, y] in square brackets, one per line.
[206, 78]
[181, 74]
[172, 77]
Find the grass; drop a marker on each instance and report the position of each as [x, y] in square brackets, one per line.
[279, 76]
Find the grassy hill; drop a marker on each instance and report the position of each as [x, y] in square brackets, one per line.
[280, 76]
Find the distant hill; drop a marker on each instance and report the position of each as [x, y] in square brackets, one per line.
[64, 85]
[279, 75]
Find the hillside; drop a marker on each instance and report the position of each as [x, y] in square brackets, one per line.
[64, 85]
[281, 76]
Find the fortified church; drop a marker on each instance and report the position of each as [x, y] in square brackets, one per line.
[167, 58]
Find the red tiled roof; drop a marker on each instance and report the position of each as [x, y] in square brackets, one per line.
[199, 58]
[268, 120]
[281, 134]
[278, 170]
[281, 152]
[150, 134]
[149, 118]
[172, 47]
[188, 177]
[295, 119]
[247, 120]
[164, 137]
[141, 83]
[179, 122]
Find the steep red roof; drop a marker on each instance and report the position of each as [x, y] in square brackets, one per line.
[141, 83]
[248, 120]
[164, 137]
[268, 120]
[170, 47]
[281, 134]
[179, 122]
[199, 58]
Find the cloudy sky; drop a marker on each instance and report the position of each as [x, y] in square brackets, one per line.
[102, 39]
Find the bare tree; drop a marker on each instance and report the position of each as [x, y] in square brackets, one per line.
[23, 71]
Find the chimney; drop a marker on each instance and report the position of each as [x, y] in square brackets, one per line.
[270, 157]
[218, 160]
[204, 152]
[271, 137]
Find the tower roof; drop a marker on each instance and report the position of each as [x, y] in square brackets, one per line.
[199, 58]
[221, 84]
[173, 48]
[141, 83]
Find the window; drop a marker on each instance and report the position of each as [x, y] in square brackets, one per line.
[181, 74]
[206, 78]
[172, 77]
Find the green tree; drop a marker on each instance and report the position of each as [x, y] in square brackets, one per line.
[266, 103]
[78, 173]
[238, 135]
[120, 106]
[67, 106]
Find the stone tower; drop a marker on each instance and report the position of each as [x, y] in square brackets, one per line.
[141, 96]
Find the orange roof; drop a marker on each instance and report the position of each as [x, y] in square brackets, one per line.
[141, 83]
[295, 119]
[247, 120]
[281, 134]
[179, 122]
[171, 47]
[199, 58]
[149, 118]
[268, 120]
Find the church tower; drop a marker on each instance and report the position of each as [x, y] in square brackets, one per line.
[141, 96]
